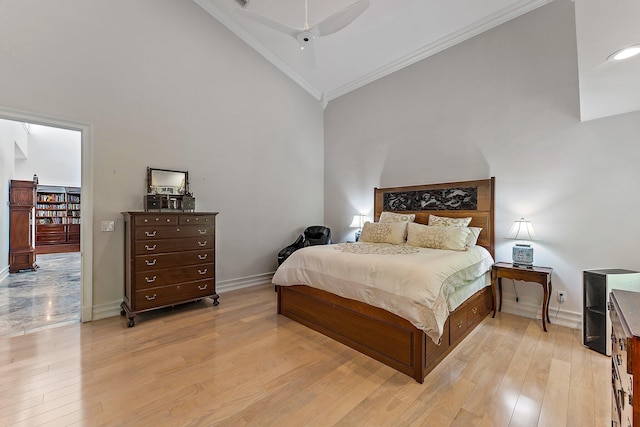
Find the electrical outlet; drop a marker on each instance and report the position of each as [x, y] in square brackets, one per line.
[562, 296]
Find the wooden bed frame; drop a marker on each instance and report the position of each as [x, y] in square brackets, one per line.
[378, 333]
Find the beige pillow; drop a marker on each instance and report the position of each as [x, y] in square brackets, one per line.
[438, 237]
[387, 232]
[444, 221]
[396, 217]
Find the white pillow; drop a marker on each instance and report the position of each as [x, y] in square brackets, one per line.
[438, 237]
[473, 236]
[387, 232]
[449, 222]
[396, 217]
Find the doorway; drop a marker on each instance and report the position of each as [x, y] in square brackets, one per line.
[84, 257]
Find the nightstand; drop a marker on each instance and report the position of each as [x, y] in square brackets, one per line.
[541, 275]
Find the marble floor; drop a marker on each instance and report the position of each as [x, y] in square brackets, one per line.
[48, 297]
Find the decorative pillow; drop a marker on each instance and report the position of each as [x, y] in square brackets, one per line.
[438, 237]
[473, 236]
[387, 232]
[444, 221]
[396, 217]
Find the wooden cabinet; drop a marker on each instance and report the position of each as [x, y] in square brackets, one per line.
[625, 357]
[22, 255]
[57, 219]
[169, 260]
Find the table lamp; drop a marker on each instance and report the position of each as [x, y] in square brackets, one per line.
[358, 222]
[522, 254]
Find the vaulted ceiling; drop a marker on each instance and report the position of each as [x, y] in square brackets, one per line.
[390, 35]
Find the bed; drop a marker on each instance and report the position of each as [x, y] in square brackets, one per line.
[377, 328]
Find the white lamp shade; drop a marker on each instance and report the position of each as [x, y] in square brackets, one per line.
[358, 221]
[521, 230]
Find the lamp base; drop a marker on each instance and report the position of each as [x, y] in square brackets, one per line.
[522, 255]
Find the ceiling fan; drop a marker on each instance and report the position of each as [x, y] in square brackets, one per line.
[306, 36]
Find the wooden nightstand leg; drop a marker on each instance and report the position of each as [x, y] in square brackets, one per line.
[549, 300]
[545, 300]
[493, 291]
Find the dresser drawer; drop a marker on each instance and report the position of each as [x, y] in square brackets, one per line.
[458, 323]
[50, 228]
[155, 278]
[173, 245]
[172, 232]
[154, 262]
[196, 219]
[173, 294]
[43, 239]
[156, 219]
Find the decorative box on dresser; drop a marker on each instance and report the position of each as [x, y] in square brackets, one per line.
[625, 357]
[169, 260]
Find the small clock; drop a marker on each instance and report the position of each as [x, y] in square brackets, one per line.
[522, 255]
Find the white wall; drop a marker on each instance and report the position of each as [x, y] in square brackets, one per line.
[10, 134]
[502, 104]
[54, 155]
[163, 84]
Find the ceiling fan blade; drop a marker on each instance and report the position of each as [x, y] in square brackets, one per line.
[307, 50]
[270, 23]
[340, 19]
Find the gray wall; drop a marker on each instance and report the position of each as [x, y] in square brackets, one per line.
[163, 84]
[502, 104]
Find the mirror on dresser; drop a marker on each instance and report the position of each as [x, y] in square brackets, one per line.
[168, 189]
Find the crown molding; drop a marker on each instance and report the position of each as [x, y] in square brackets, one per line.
[491, 21]
[235, 28]
[443, 43]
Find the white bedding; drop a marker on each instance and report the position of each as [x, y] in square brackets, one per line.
[414, 283]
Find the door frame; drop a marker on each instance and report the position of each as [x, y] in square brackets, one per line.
[86, 194]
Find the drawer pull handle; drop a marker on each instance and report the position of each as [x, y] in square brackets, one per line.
[202, 288]
[146, 220]
[188, 220]
[202, 231]
[474, 310]
[201, 272]
[150, 248]
[148, 234]
[202, 243]
[150, 262]
[153, 279]
[150, 298]
[459, 324]
[168, 219]
[200, 256]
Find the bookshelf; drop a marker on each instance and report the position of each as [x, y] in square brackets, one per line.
[57, 219]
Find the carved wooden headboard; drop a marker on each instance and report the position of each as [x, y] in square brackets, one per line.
[452, 199]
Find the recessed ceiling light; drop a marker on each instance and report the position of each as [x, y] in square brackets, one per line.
[625, 53]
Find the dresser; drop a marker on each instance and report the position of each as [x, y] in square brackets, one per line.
[169, 260]
[625, 357]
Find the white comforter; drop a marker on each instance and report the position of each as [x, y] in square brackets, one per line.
[413, 283]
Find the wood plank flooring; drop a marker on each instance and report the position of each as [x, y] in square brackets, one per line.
[241, 364]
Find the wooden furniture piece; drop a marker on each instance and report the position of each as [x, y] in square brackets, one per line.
[22, 254]
[378, 333]
[625, 358]
[541, 275]
[57, 219]
[596, 287]
[169, 260]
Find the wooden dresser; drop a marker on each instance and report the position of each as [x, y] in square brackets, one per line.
[169, 260]
[625, 357]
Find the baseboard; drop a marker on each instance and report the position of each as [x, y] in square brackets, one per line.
[112, 308]
[243, 282]
[566, 318]
[4, 273]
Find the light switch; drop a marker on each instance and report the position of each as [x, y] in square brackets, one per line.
[108, 226]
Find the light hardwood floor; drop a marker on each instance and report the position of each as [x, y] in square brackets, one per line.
[241, 364]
